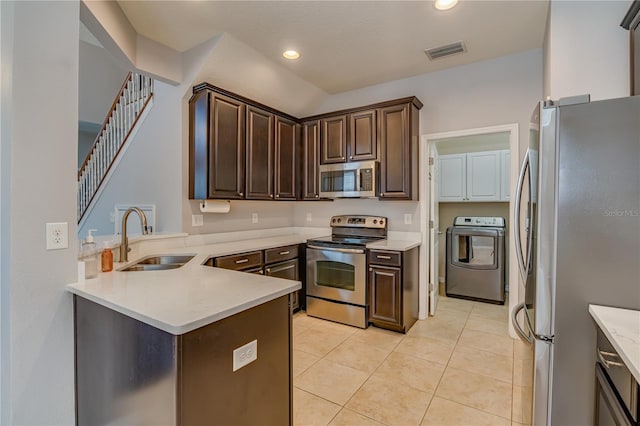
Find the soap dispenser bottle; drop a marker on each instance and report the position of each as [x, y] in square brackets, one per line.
[89, 254]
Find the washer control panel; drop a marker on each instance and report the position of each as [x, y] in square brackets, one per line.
[493, 222]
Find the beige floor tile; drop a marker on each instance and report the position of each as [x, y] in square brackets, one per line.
[477, 391]
[494, 312]
[377, 337]
[360, 356]
[501, 345]
[450, 316]
[318, 341]
[453, 303]
[334, 327]
[391, 403]
[435, 350]
[521, 408]
[443, 412]
[310, 410]
[482, 362]
[348, 417]
[414, 372]
[436, 329]
[522, 372]
[331, 381]
[488, 326]
[302, 361]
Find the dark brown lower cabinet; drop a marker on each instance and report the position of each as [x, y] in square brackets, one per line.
[393, 289]
[288, 270]
[129, 372]
[279, 262]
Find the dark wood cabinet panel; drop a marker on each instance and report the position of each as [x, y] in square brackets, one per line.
[226, 148]
[333, 139]
[288, 270]
[286, 171]
[199, 146]
[310, 160]
[393, 290]
[363, 138]
[385, 289]
[398, 152]
[260, 148]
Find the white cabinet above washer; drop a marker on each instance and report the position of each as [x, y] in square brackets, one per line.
[474, 176]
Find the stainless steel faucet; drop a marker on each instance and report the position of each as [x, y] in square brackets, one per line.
[124, 245]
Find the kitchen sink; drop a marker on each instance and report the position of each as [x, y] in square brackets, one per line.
[158, 263]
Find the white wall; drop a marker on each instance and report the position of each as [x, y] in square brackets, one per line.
[149, 172]
[100, 80]
[587, 50]
[39, 85]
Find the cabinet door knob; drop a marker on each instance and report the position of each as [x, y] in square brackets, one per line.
[370, 269]
[317, 196]
[351, 157]
[277, 196]
[268, 270]
[242, 194]
[271, 195]
[342, 158]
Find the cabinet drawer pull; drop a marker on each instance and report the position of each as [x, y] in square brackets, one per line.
[242, 261]
[608, 363]
[282, 253]
[383, 257]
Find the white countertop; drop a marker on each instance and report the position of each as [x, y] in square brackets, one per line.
[394, 244]
[622, 328]
[184, 299]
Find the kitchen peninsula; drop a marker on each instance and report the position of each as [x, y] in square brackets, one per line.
[176, 346]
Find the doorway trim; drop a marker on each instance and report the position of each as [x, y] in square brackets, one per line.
[426, 139]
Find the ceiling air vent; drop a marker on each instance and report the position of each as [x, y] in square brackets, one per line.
[446, 50]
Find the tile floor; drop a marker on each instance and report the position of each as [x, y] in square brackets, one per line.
[457, 368]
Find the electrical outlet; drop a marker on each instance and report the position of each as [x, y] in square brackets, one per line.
[245, 355]
[197, 220]
[57, 236]
[309, 218]
[254, 218]
[408, 218]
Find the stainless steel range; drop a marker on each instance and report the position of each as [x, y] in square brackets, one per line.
[337, 269]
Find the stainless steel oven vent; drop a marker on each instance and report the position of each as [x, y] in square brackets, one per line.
[446, 50]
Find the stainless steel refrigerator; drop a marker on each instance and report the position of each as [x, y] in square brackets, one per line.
[578, 242]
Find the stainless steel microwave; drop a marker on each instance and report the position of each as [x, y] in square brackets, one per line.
[349, 180]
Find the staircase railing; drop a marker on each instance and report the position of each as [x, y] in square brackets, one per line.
[131, 101]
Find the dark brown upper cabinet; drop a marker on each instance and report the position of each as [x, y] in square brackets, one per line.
[286, 170]
[260, 149]
[398, 136]
[363, 137]
[216, 147]
[310, 160]
[333, 146]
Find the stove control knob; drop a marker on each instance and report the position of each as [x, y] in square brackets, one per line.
[381, 221]
[339, 220]
[375, 221]
[333, 220]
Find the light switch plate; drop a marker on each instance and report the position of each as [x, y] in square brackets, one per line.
[408, 218]
[245, 355]
[309, 217]
[197, 220]
[254, 218]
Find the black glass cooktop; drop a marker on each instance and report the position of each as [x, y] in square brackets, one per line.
[344, 240]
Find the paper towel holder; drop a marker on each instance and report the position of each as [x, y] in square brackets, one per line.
[215, 206]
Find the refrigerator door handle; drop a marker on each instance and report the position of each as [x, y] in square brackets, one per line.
[522, 266]
[527, 338]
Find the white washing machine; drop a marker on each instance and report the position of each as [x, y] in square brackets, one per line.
[476, 258]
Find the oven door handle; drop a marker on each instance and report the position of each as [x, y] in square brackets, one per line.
[341, 250]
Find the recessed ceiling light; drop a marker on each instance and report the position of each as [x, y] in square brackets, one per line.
[291, 54]
[445, 4]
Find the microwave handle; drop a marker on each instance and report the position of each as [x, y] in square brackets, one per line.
[359, 182]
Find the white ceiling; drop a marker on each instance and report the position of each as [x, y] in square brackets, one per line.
[347, 45]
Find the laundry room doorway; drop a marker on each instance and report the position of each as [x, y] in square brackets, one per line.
[468, 172]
